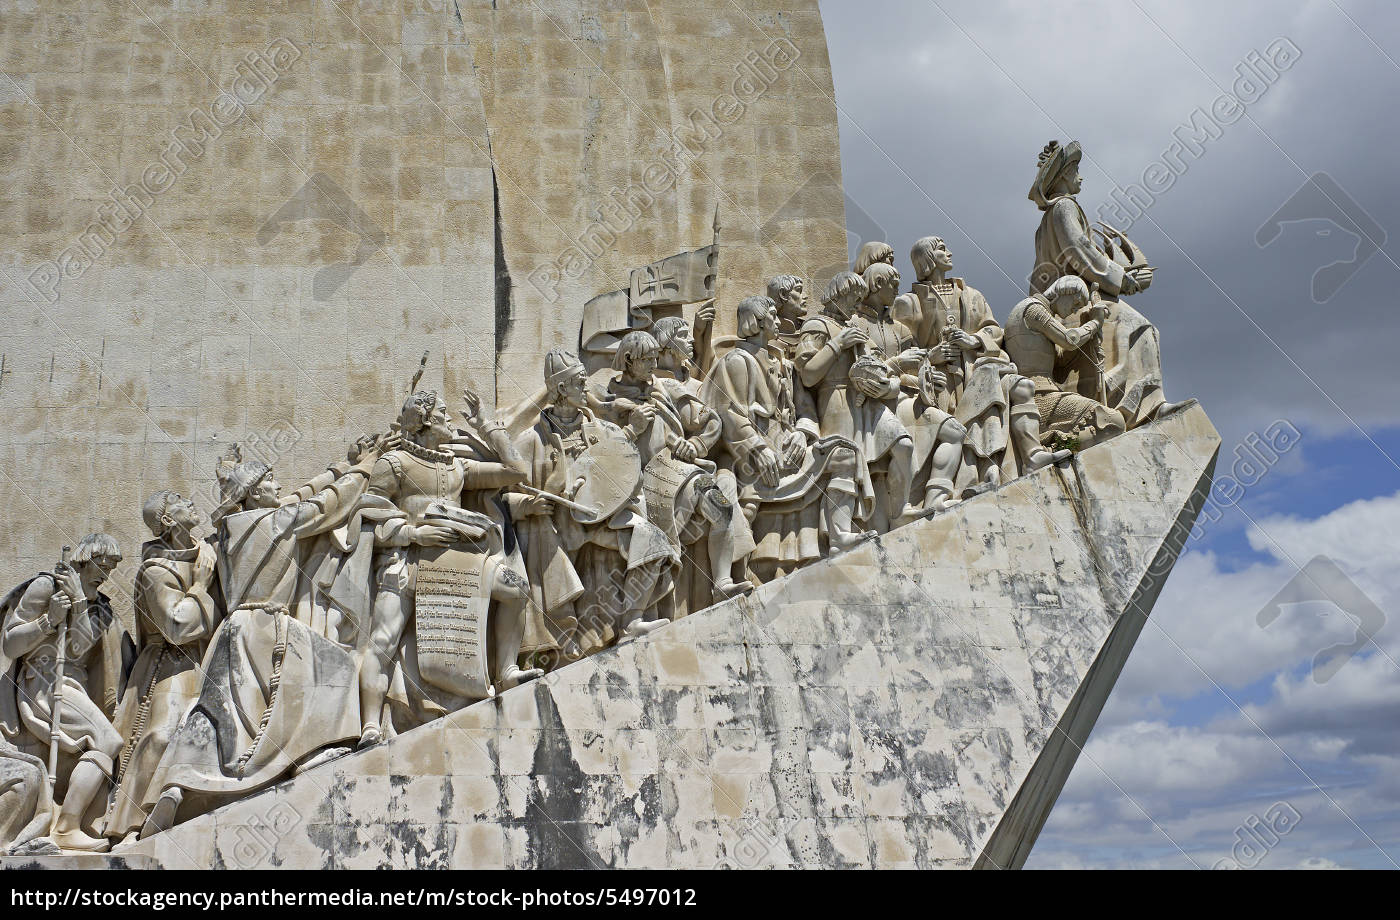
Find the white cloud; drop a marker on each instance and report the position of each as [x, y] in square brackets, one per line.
[1171, 746]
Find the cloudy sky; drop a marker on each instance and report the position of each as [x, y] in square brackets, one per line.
[1218, 724]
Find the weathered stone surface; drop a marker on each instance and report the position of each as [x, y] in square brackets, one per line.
[915, 702]
[454, 149]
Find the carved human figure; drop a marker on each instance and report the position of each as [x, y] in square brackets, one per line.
[416, 497]
[593, 578]
[937, 436]
[789, 293]
[870, 253]
[793, 483]
[688, 495]
[995, 403]
[1130, 375]
[279, 679]
[26, 808]
[1039, 341]
[175, 616]
[850, 359]
[96, 659]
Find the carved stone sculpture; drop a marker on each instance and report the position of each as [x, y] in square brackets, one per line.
[175, 617]
[1130, 374]
[26, 807]
[937, 435]
[870, 253]
[789, 293]
[994, 403]
[428, 544]
[694, 501]
[69, 707]
[279, 680]
[849, 362]
[594, 574]
[793, 482]
[1039, 342]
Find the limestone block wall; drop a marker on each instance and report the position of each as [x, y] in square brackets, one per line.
[247, 220]
[915, 702]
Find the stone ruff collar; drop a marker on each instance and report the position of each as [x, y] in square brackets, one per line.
[427, 453]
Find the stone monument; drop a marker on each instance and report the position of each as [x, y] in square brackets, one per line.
[692, 576]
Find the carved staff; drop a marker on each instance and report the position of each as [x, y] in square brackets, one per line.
[1098, 356]
[558, 499]
[60, 660]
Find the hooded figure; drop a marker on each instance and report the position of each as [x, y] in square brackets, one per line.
[279, 680]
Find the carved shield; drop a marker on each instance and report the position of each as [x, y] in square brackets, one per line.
[611, 470]
[662, 480]
[452, 600]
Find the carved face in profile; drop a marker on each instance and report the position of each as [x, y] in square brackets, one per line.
[440, 421]
[682, 342]
[1070, 182]
[266, 494]
[571, 389]
[180, 514]
[770, 321]
[942, 259]
[884, 288]
[794, 305]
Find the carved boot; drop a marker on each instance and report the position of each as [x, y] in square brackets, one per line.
[162, 816]
[84, 784]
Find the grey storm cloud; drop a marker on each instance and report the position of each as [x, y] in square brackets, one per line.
[946, 105]
[1277, 249]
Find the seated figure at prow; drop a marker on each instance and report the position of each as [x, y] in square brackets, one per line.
[987, 394]
[1039, 342]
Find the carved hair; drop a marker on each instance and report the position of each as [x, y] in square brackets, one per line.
[753, 311]
[155, 507]
[846, 286]
[880, 272]
[873, 253]
[416, 411]
[667, 328]
[636, 344]
[1066, 285]
[923, 249]
[780, 286]
[96, 544]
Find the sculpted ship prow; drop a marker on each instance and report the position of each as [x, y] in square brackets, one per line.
[440, 564]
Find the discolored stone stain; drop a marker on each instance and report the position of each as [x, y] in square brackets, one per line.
[555, 807]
